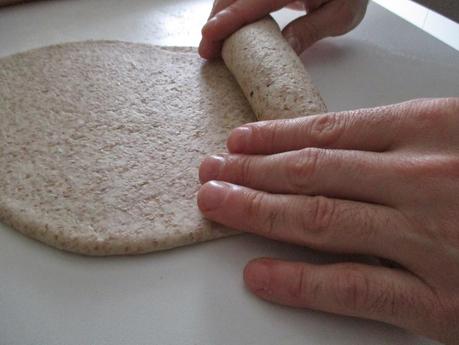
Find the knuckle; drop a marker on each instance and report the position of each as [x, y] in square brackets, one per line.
[254, 205]
[245, 170]
[305, 290]
[302, 167]
[270, 222]
[325, 130]
[267, 134]
[320, 217]
[352, 289]
[262, 219]
[298, 291]
[323, 212]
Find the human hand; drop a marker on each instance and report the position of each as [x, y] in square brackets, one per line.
[382, 182]
[324, 18]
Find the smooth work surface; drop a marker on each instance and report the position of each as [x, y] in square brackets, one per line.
[441, 27]
[195, 295]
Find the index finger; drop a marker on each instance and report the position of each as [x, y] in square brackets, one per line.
[220, 5]
[375, 129]
[238, 14]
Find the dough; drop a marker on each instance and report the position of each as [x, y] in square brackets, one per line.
[270, 73]
[100, 142]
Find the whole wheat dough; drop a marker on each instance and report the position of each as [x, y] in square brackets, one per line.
[100, 143]
[270, 73]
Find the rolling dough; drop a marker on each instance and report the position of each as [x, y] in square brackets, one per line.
[270, 73]
[100, 143]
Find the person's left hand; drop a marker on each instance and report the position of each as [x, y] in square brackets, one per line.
[381, 182]
[323, 18]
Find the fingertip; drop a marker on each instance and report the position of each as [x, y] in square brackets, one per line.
[210, 168]
[202, 50]
[209, 50]
[239, 139]
[211, 195]
[205, 49]
[257, 275]
[208, 29]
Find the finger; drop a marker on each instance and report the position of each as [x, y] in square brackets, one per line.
[311, 5]
[322, 223]
[374, 129]
[238, 14]
[343, 174]
[220, 5]
[296, 5]
[209, 49]
[377, 293]
[333, 18]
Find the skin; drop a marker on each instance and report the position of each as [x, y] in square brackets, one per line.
[382, 182]
[324, 18]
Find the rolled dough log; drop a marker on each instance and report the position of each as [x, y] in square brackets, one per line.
[100, 144]
[270, 73]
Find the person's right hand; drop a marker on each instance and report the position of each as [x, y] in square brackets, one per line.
[323, 18]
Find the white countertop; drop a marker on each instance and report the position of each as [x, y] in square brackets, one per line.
[195, 295]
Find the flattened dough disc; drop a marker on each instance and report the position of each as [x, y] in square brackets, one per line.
[100, 144]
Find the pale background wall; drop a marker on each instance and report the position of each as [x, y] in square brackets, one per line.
[435, 24]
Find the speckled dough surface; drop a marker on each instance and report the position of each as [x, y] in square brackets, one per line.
[270, 73]
[100, 144]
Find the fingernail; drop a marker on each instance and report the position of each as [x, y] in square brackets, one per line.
[212, 195]
[294, 43]
[239, 139]
[202, 48]
[258, 277]
[212, 21]
[211, 167]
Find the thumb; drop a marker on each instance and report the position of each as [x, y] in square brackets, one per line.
[333, 18]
